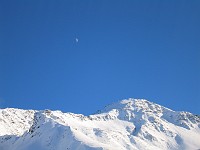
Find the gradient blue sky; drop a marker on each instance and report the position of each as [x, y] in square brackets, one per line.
[140, 49]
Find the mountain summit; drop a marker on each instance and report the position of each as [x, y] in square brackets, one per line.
[132, 124]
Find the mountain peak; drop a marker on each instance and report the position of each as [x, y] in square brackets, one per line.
[133, 110]
[136, 105]
[132, 124]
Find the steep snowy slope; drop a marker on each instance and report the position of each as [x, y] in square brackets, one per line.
[129, 124]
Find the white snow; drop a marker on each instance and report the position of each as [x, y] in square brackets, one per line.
[129, 124]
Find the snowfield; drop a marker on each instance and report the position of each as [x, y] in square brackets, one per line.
[131, 124]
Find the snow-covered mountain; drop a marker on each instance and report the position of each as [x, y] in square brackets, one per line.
[129, 124]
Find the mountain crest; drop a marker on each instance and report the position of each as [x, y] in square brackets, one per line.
[132, 124]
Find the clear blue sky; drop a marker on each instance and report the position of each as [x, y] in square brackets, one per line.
[140, 49]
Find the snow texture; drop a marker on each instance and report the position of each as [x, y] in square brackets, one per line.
[130, 124]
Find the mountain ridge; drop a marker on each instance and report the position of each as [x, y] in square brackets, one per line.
[128, 124]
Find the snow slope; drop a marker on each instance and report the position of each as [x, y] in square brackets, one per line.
[129, 124]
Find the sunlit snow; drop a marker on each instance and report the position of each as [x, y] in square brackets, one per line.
[126, 125]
